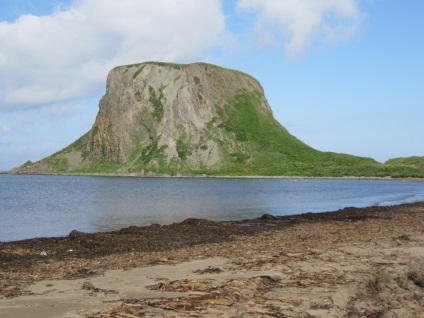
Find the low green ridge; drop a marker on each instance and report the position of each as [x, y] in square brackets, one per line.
[409, 161]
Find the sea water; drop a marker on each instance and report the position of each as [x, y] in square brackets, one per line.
[46, 206]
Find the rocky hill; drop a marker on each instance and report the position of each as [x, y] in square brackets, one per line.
[161, 118]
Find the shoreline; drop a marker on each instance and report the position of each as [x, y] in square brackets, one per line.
[355, 262]
[204, 176]
[237, 221]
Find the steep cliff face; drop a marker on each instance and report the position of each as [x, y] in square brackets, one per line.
[172, 111]
[161, 118]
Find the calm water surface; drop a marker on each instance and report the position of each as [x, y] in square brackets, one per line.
[43, 206]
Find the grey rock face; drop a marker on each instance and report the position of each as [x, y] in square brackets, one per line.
[174, 108]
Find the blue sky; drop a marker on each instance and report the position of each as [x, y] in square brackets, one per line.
[341, 75]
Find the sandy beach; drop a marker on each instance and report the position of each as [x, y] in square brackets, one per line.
[355, 262]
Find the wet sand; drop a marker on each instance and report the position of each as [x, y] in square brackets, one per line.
[356, 262]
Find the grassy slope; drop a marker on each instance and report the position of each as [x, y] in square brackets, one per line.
[409, 161]
[406, 167]
[279, 153]
[273, 151]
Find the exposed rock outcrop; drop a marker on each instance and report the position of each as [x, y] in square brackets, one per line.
[173, 110]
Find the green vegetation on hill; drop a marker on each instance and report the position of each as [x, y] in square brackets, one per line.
[406, 167]
[409, 161]
[274, 151]
[268, 150]
[241, 139]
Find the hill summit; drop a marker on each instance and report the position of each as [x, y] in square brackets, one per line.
[163, 118]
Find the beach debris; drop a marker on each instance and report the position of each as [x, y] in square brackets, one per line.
[163, 260]
[184, 285]
[75, 233]
[417, 277]
[89, 286]
[267, 216]
[43, 254]
[86, 272]
[209, 270]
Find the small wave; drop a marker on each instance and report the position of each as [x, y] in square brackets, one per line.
[408, 198]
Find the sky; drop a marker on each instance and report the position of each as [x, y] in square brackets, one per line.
[341, 75]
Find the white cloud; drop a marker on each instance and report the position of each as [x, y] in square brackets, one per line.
[300, 22]
[64, 110]
[46, 60]
[4, 130]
